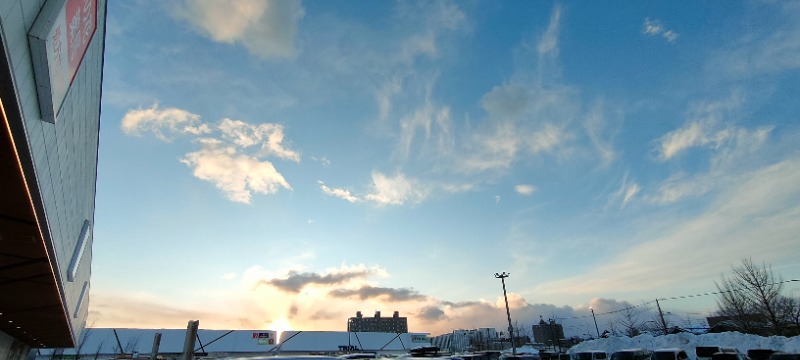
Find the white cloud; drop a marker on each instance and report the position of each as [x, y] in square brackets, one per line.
[227, 161]
[525, 189]
[690, 135]
[266, 28]
[269, 136]
[497, 199]
[397, 190]
[339, 193]
[655, 28]
[385, 190]
[237, 175]
[163, 123]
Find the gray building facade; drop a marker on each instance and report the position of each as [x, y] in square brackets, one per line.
[50, 87]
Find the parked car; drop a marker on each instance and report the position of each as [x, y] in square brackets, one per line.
[729, 354]
[670, 354]
[590, 355]
[706, 352]
[759, 354]
[632, 354]
[784, 356]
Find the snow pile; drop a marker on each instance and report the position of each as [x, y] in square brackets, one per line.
[688, 342]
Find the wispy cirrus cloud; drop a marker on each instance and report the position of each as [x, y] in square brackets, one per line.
[653, 27]
[395, 190]
[626, 192]
[266, 28]
[704, 127]
[711, 126]
[596, 126]
[769, 49]
[549, 40]
[232, 153]
[756, 204]
[529, 115]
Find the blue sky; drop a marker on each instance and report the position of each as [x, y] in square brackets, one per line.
[285, 164]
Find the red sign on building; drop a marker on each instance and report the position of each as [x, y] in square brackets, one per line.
[59, 39]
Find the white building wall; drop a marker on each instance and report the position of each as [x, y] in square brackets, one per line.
[64, 154]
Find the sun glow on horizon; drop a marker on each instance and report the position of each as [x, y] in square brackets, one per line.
[279, 326]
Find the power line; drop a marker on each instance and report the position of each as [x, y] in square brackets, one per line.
[726, 291]
[681, 297]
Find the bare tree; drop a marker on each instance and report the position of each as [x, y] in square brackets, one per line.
[612, 329]
[85, 334]
[97, 351]
[791, 308]
[133, 344]
[629, 322]
[521, 332]
[751, 298]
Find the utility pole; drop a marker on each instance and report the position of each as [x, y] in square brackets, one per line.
[156, 345]
[595, 322]
[188, 344]
[661, 315]
[502, 278]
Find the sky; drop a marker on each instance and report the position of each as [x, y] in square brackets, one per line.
[284, 164]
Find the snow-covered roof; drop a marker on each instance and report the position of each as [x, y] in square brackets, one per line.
[104, 341]
[332, 341]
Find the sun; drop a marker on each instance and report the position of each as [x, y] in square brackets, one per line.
[279, 326]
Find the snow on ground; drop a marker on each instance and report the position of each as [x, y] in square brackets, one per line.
[688, 342]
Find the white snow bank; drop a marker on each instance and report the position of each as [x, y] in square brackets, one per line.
[688, 342]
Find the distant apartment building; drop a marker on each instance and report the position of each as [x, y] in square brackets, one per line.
[470, 340]
[548, 333]
[395, 324]
[51, 66]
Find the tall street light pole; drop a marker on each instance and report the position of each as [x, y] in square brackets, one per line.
[502, 276]
[595, 323]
